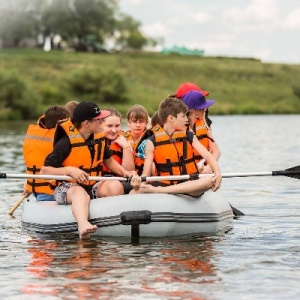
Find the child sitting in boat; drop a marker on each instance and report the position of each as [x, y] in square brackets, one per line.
[38, 143]
[197, 105]
[137, 119]
[119, 147]
[171, 148]
[79, 151]
[194, 97]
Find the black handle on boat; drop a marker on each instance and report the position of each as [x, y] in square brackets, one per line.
[2, 175]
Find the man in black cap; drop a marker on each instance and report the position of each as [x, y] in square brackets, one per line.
[79, 151]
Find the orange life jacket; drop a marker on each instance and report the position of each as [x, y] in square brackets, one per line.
[200, 129]
[117, 155]
[139, 162]
[173, 155]
[38, 143]
[80, 155]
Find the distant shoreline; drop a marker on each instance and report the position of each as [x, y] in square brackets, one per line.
[35, 79]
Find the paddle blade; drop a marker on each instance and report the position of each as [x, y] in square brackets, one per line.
[293, 172]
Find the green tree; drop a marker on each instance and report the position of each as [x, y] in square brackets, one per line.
[19, 19]
[75, 19]
[128, 34]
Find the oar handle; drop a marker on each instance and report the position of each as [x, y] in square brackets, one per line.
[17, 204]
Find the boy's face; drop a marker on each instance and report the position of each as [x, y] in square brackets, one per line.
[137, 126]
[93, 126]
[180, 121]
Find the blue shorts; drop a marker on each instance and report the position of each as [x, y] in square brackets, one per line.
[44, 197]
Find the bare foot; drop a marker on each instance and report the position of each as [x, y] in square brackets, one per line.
[86, 229]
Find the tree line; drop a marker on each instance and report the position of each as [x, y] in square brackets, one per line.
[79, 24]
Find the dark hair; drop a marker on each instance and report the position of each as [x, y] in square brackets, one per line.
[53, 114]
[137, 112]
[171, 107]
[155, 119]
[172, 96]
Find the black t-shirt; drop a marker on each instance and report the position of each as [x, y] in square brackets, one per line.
[62, 149]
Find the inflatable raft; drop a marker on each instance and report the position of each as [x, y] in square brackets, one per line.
[138, 215]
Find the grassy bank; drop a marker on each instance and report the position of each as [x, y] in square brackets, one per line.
[240, 86]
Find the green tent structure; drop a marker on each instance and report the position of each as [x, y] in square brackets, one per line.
[183, 51]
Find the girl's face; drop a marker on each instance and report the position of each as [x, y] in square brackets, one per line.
[137, 127]
[111, 126]
[193, 115]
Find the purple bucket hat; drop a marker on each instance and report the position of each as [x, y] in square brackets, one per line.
[195, 100]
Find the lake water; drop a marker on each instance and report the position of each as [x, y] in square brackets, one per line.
[258, 259]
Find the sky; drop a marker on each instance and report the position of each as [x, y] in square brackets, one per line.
[268, 30]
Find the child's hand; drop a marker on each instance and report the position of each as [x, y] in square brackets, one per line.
[217, 179]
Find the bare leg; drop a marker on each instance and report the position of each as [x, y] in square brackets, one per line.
[110, 188]
[192, 188]
[80, 200]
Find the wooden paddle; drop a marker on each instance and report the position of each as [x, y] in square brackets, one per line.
[17, 204]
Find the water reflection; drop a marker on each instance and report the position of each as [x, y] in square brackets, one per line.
[96, 268]
[258, 259]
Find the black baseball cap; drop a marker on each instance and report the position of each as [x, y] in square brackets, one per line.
[88, 111]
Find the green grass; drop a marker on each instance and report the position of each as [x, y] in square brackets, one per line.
[239, 86]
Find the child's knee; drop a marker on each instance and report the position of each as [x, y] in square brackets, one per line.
[111, 188]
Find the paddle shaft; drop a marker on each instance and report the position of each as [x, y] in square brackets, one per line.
[56, 177]
[152, 178]
[17, 204]
[224, 175]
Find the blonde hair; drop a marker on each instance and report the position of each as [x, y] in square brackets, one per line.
[113, 111]
[70, 106]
